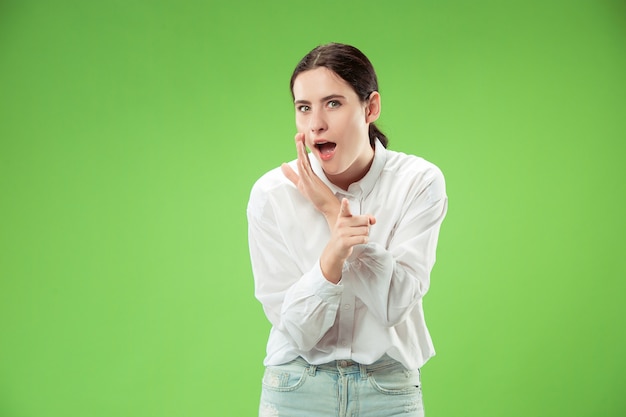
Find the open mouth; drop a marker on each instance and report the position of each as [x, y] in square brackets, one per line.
[326, 149]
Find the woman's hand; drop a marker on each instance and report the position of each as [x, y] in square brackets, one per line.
[347, 232]
[310, 185]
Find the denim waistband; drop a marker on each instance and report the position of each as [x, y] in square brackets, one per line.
[347, 366]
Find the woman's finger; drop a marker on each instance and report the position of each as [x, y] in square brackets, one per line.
[303, 160]
[359, 231]
[354, 220]
[303, 156]
[290, 174]
[344, 210]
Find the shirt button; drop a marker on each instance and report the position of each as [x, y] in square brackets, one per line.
[346, 306]
[343, 343]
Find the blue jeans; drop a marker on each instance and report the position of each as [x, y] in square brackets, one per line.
[341, 389]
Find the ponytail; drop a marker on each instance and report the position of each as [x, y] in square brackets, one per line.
[375, 133]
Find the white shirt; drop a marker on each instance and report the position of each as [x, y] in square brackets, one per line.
[376, 308]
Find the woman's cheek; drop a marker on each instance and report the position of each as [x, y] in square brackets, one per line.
[300, 122]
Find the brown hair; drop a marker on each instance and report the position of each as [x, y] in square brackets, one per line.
[352, 66]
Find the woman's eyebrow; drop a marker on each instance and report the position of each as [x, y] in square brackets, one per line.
[330, 97]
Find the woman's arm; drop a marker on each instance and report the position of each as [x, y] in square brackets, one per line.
[391, 281]
[300, 303]
[346, 230]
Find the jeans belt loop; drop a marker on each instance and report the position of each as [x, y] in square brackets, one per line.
[363, 369]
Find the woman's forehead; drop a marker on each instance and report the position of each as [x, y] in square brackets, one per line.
[320, 82]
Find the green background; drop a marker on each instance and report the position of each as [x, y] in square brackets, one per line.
[132, 131]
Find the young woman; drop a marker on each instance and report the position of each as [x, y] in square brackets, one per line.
[342, 244]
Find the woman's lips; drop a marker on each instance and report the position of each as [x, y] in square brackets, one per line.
[326, 150]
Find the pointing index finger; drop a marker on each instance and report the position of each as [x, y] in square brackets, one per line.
[344, 210]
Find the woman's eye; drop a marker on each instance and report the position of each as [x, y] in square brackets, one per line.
[333, 104]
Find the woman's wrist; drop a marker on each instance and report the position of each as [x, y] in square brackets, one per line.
[331, 266]
[331, 212]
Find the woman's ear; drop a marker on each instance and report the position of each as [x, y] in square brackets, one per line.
[372, 108]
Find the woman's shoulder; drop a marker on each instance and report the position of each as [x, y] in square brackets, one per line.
[404, 165]
[270, 180]
[270, 186]
[413, 176]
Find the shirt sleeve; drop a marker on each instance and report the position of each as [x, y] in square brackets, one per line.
[391, 281]
[301, 304]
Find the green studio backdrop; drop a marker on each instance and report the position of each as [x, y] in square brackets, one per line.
[131, 133]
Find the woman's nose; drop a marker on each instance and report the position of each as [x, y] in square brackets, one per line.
[318, 122]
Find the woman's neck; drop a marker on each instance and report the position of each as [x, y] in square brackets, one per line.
[355, 172]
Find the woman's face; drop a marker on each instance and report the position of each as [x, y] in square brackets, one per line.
[335, 124]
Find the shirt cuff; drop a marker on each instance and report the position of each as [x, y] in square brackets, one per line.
[320, 286]
[357, 251]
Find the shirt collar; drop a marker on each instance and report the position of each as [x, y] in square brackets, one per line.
[366, 184]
